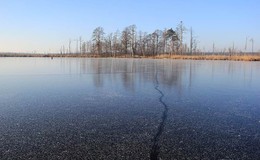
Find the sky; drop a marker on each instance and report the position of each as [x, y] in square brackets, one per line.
[42, 26]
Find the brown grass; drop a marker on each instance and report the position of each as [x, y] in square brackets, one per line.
[212, 57]
[165, 56]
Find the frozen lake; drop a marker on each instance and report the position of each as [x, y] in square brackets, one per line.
[70, 108]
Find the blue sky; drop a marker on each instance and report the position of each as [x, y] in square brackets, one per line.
[46, 25]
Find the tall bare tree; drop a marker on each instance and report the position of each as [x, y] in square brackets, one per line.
[80, 45]
[252, 41]
[180, 30]
[116, 43]
[125, 40]
[193, 42]
[84, 48]
[157, 42]
[133, 39]
[108, 44]
[70, 46]
[98, 37]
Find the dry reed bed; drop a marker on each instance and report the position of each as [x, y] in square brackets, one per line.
[165, 56]
[212, 57]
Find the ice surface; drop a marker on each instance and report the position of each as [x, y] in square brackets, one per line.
[110, 108]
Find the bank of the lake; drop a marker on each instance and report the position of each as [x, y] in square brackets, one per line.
[229, 57]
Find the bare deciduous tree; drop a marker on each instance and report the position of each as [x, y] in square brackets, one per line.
[133, 41]
[98, 37]
[180, 30]
[116, 43]
[125, 40]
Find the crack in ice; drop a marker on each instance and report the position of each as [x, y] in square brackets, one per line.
[155, 150]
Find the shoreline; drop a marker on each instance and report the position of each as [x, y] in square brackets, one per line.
[241, 57]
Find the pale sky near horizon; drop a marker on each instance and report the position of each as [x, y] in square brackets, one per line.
[46, 25]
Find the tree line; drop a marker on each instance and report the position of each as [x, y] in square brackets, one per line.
[135, 43]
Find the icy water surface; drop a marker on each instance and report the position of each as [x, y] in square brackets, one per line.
[69, 108]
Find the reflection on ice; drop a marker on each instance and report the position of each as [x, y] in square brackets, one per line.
[109, 109]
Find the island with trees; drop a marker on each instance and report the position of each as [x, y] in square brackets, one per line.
[131, 43]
